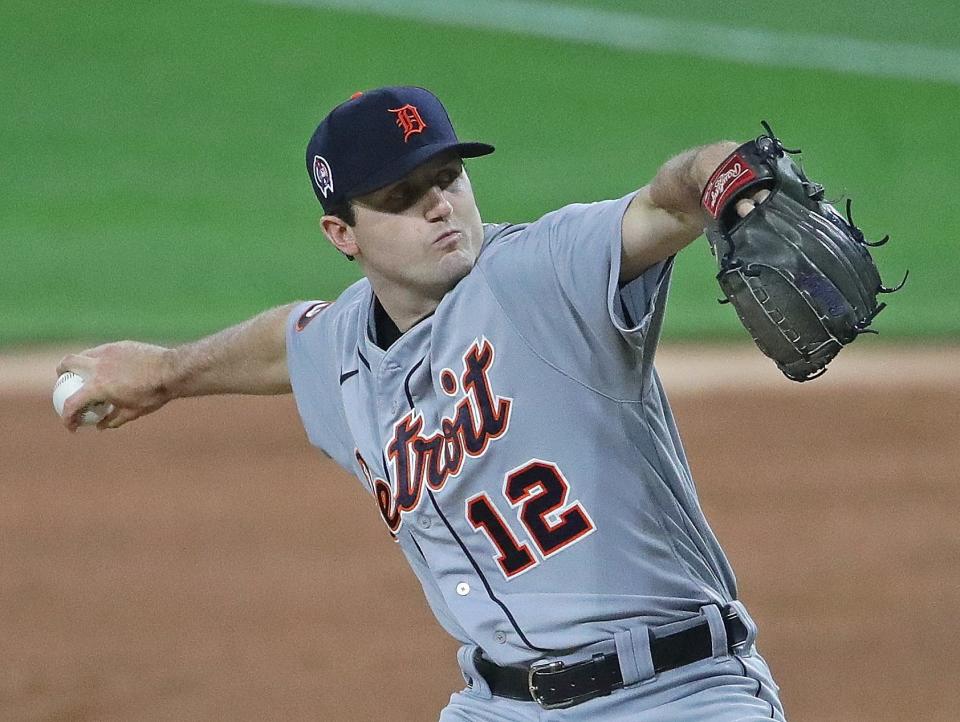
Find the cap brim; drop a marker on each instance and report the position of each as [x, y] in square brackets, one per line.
[473, 150]
[393, 172]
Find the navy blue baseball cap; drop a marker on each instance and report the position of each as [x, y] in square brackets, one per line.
[376, 138]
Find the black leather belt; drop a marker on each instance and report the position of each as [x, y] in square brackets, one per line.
[554, 685]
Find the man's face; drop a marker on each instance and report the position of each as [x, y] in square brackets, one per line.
[421, 233]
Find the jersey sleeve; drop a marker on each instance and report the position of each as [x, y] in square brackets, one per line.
[314, 376]
[558, 280]
[585, 252]
[569, 260]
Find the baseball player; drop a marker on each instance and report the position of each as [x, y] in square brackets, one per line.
[492, 386]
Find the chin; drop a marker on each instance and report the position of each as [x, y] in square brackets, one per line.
[454, 266]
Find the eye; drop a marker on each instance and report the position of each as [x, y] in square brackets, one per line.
[398, 197]
[447, 176]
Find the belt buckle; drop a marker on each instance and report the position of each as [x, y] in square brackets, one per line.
[548, 668]
[545, 668]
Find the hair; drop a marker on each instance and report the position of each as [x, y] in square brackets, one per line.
[345, 212]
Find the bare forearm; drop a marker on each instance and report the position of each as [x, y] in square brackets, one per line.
[679, 182]
[249, 358]
[665, 214]
[139, 378]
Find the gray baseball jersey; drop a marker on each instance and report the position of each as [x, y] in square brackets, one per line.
[518, 443]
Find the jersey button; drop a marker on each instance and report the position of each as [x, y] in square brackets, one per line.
[395, 407]
[463, 589]
[501, 637]
[425, 522]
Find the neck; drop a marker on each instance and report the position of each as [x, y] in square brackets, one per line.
[403, 306]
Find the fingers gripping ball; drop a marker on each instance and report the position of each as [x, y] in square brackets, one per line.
[67, 385]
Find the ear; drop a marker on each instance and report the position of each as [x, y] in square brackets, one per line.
[340, 235]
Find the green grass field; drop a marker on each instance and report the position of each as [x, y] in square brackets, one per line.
[152, 161]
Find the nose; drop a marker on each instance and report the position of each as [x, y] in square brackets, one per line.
[437, 205]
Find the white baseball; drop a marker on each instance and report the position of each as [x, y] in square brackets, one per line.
[67, 385]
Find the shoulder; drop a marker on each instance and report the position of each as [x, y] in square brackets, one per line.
[330, 321]
[567, 224]
[555, 220]
[355, 299]
[496, 233]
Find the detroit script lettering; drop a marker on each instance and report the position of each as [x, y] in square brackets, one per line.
[417, 458]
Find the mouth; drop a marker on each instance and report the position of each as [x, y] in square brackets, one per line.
[448, 238]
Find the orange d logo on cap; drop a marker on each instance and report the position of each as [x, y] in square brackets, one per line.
[409, 120]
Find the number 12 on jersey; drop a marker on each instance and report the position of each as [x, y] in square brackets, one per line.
[538, 491]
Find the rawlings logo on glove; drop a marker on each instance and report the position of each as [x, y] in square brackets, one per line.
[799, 275]
[726, 180]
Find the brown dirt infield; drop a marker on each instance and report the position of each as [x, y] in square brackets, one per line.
[205, 563]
